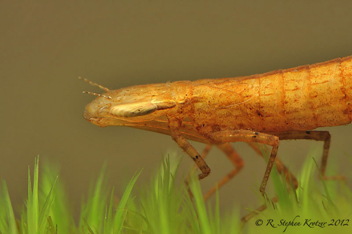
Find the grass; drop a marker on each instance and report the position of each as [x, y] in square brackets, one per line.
[164, 206]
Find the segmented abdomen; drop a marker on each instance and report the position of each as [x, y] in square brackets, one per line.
[310, 96]
[300, 98]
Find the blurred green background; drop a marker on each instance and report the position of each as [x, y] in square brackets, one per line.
[45, 46]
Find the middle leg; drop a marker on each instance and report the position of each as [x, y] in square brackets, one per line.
[251, 136]
[236, 160]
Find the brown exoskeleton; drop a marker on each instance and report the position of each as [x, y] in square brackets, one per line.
[279, 105]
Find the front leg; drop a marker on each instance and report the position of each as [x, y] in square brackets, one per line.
[174, 126]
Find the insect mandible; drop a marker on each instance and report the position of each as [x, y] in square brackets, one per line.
[266, 108]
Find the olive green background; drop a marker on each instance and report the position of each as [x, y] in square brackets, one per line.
[45, 46]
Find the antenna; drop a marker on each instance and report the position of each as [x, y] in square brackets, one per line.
[97, 94]
[94, 84]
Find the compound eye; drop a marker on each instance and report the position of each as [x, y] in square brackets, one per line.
[133, 109]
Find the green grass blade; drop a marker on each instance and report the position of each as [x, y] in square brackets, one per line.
[161, 204]
[8, 221]
[59, 213]
[121, 209]
[217, 222]
[44, 212]
[200, 205]
[167, 208]
[92, 214]
[33, 199]
[327, 192]
[109, 218]
[190, 214]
